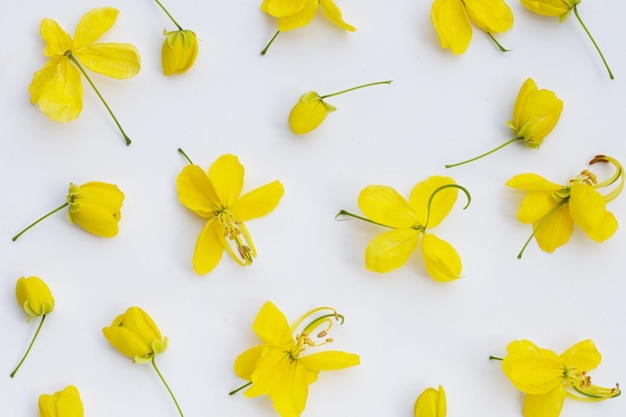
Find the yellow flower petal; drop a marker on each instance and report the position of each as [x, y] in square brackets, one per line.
[94, 24]
[57, 40]
[532, 182]
[300, 18]
[535, 114]
[107, 196]
[95, 207]
[529, 87]
[196, 192]
[209, 248]
[431, 403]
[58, 90]
[583, 356]
[95, 219]
[605, 230]
[549, 7]
[544, 405]
[290, 393]
[555, 231]
[308, 113]
[272, 327]
[66, 403]
[441, 204]
[383, 204]
[116, 60]
[329, 360]
[443, 262]
[452, 24]
[492, 16]
[134, 334]
[179, 52]
[531, 369]
[535, 206]
[258, 202]
[390, 250]
[332, 12]
[281, 8]
[246, 362]
[586, 206]
[226, 175]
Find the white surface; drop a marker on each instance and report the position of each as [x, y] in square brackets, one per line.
[410, 331]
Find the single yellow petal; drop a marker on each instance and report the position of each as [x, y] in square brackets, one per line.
[281, 8]
[549, 7]
[441, 204]
[57, 40]
[383, 204]
[107, 196]
[431, 403]
[196, 192]
[532, 182]
[308, 113]
[586, 206]
[535, 206]
[492, 16]
[583, 356]
[226, 175]
[300, 18]
[117, 60]
[258, 202]
[329, 361]
[290, 393]
[246, 362]
[529, 87]
[332, 12]
[95, 219]
[452, 24]
[555, 231]
[94, 24]
[605, 230]
[272, 366]
[272, 327]
[209, 248]
[544, 405]
[443, 262]
[57, 89]
[531, 369]
[390, 250]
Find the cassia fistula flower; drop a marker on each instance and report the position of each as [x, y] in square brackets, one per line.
[216, 196]
[279, 366]
[66, 403]
[94, 206]
[57, 87]
[451, 19]
[180, 48]
[553, 209]
[547, 379]
[135, 335]
[431, 403]
[535, 114]
[562, 9]
[296, 14]
[430, 202]
[311, 109]
[35, 298]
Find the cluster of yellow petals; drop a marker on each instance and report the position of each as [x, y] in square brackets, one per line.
[95, 207]
[179, 51]
[66, 403]
[431, 403]
[560, 8]
[294, 14]
[34, 296]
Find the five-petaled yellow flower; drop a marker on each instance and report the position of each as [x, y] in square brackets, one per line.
[216, 196]
[66, 403]
[451, 19]
[431, 403]
[430, 202]
[553, 209]
[279, 368]
[57, 87]
[547, 378]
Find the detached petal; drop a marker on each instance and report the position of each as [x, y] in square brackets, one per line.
[532, 182]
[57, 40]
[390, 250]
[333, 13]
[58, 90]
[329, 360]
[583, 356]
[555, 231]
[226, 175]
[383, 204]
[94, 24]
[196, 192]
[452, 24]
[545, 405]
[299, 19]
[441, 204]
[586, 206]
[117, 60]
[258, 202]
[443, 262]
[272, 327]
[209, 249]
[492, 16]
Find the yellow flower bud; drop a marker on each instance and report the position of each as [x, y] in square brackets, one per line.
[309, 113]
[135, 335]
[34, 296]
[431, 403]
[66, 403]
[179, 51]
[95, 207]
[550, 7]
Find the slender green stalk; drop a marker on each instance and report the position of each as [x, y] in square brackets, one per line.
[539, 226]
[167, 386]
[494, 40]
[594, 43]
[168, 14]
[355, 88]
[486, 153]
[235, 391]
[264, 51]
[347, 213]
[29, 346]
[443, 187]
[494, 358]
[40, 219]
[185, 155]
[80, 68]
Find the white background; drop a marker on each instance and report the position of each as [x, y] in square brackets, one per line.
[410, 331]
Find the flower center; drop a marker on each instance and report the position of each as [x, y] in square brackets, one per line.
[319, 327]
[583, 390]
[235, 234]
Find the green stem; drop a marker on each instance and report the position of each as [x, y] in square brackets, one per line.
[494, 358]
[29, 346]
[167, 386]
[443, 187]
[347, 213]
[486, 153]
[594, 42]
[355, 88]
[539, 226]
[264, 51]
[235, 391]
[40, 219]
[80, 68]
[168, 14]
[185, 155]
[494, 40]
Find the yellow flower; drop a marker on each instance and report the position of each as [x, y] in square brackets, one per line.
[57, 87]
[179, 51]
[535, 114]
[66, 403]
[553, 209]
[451, 19]
[311, 109]
[216, 196]
[135, 335]
[278, 367]
[35, 298]
[431, 403]
[547, 378]
[430, 202]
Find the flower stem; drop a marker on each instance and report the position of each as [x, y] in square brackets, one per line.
[347, 213]
[443, 187]
[40, 219]
[168, 14]
[594, 43]
[180, 151]
[167, 386]
[539, 226]
[486, 153]
[494, 40]
[355, 88]
[29, 346]
[235, 391]
[264, 51]
[494, 358]
[80, 68]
